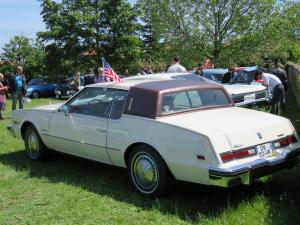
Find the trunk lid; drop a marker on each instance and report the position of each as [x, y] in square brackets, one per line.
[243, 89]
[241, 127]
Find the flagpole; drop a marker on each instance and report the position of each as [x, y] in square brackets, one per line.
[103, 62]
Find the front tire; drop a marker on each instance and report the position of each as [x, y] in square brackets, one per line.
[148, 172]
[35, 148]
[35, 94]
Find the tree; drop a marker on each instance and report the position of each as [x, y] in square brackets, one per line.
[195, 28]
[88, 30]
[25, 52]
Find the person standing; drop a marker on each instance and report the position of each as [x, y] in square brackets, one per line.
[89, 78]
[227, 77]
[3, 90]
[279, 72]
[126, 73]
[78, 80]
[199, 69]
[148, 70]
[275, 87]
[101, 76]
[18, 88]
[176, 68]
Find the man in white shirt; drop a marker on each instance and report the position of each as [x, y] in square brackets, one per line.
[276, 88]
[176, 68]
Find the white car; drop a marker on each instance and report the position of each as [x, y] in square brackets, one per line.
[242, 95]
[162, 131]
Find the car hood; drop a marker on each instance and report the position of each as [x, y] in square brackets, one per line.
[50, 107]
[32, 86]
[240, 127]
[243, 89]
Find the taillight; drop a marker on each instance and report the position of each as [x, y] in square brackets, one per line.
[286, 141]
[228, 156]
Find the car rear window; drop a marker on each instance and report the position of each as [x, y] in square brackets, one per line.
[193, 99]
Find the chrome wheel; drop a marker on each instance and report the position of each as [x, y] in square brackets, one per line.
[35, 94]
[35, 148]
[32, 144]
[145, 172]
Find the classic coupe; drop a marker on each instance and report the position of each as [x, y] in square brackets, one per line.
[242, 95]
[162, 131]
[40, 86]
[68, 88]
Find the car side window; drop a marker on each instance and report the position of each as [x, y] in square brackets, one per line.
[181, 100]
[118, 104]
[93, 101]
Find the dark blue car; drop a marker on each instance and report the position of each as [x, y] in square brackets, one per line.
[40, 86]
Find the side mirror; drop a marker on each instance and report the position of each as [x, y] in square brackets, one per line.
[66, 110]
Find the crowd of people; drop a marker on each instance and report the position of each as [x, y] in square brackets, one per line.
[17, 88]
[274, 78]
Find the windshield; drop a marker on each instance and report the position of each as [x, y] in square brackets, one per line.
[35, 81]
[244, 77]
[193, 99]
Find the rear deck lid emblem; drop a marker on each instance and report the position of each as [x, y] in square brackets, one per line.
[259, 135]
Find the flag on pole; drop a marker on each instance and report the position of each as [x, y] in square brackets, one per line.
[109, 72]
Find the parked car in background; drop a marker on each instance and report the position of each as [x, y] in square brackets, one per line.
[188, 130]
[242, 95]
[214, 74]
[40, 87]
[245, 75]
[68, 88]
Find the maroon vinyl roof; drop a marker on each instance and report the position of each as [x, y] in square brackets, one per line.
[145, 99]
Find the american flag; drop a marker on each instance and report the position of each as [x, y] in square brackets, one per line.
[110, 73]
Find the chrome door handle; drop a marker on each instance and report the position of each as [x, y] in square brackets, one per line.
[101, 130]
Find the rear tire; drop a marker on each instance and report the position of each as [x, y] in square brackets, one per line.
[148, 172]
[35, 148]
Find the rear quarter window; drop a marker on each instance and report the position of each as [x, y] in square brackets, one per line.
[193, 99]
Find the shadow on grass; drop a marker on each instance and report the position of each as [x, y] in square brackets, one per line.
[189, 202]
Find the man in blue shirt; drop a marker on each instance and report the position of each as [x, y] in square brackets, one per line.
[18, 88]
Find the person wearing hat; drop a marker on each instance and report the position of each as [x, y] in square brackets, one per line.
[275, 87]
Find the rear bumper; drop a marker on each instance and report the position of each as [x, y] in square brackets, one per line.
[11, 130]
[247, 173]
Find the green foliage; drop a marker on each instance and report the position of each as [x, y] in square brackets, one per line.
[151, 32]
[232, 32]
[85, 31]
[25, 52]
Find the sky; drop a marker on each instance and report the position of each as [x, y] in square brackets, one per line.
[21, 17]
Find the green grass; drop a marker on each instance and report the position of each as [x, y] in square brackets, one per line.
[69, 190]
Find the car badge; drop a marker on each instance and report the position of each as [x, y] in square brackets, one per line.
[259, 135]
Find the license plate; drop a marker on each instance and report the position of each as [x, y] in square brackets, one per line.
[265, 150]
[248, 98]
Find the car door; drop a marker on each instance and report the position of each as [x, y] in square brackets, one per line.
[81, 128]
[117, 132]
[48, 87]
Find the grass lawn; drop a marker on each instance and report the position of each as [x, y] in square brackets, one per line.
[69, 190]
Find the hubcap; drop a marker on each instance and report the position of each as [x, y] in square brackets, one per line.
[35, 94]
[33, 145]
[145, 172]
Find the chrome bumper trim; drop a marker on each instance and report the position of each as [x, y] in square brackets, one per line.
[248, 172]
[257, 102]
